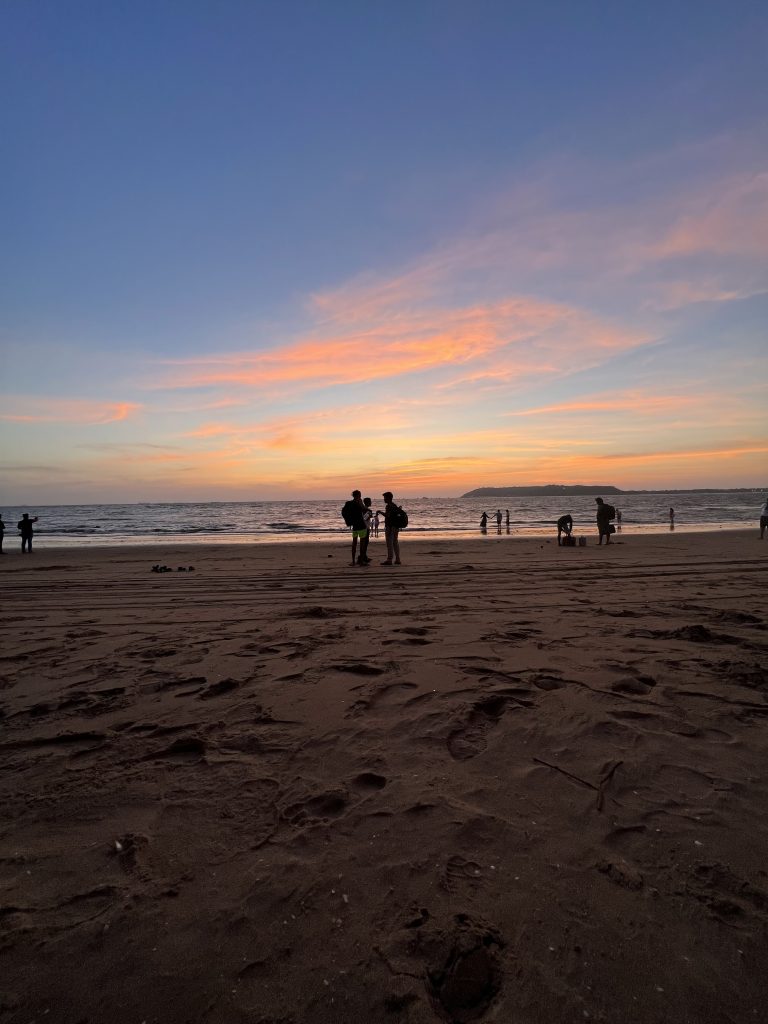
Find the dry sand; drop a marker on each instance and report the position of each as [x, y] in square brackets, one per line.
[504, 782]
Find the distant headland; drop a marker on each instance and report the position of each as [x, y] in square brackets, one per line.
[568, 490]
[549, 490]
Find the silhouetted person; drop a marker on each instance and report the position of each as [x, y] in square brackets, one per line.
[618, 519]
[25, 528]
[763, 518]
[2, 534]
[564, 526]
[498, 519]
[391, 529]
[671, 518]
[364, 541]
[605, 513]
[484, 522]
[507, 520]
[354, 517]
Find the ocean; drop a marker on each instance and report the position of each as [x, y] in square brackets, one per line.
[250, 522]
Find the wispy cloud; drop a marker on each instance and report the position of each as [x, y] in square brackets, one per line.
[529, 335]
[728, 217]
[34, 409]
[717, 452]
[644, 402]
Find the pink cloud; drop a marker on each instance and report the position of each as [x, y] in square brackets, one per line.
[729, 218]
[23, 409]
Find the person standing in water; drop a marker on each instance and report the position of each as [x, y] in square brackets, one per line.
[26, 531]
[764, 518]
[484, 522]
[2, 533]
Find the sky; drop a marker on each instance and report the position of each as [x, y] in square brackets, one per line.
[254, 250]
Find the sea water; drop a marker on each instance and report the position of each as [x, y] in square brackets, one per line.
[271, 521]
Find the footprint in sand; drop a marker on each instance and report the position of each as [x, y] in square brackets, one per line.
[468, 977]
[66, 739]
[469, 740]
[410, 641]
[458, 958]
[218, 689]
[639, 686]
[323, 807]
[729, 897]
[414, 636]
[369, 781]
[547, 683]
[461, 876]
[152, 653]
[374, 697]
[621, 873]
[185, 748]
[194, 682]
[359, 668]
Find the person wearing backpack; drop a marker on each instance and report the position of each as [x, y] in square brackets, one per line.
[393, 523]
[605, 513]
[353, 514]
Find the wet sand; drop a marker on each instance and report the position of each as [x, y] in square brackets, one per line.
[503, 782]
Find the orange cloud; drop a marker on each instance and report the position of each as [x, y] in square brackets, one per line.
[626, 401]
[530, 333]
[21, 409]
[726, 452]
[324, 429]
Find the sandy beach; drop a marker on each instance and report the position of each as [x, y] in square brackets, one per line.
[503, 782]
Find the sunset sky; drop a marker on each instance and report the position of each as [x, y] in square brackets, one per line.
[279, 249]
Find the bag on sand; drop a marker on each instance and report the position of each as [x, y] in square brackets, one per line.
[401, 518]
[348, 512]
[568, 542]
[611, 528]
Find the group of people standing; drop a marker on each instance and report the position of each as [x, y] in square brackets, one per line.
[24, 527]
[497, 516]
[359, 516]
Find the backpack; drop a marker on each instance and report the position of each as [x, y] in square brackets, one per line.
[401, 518]
[348, 512]
[610, 511]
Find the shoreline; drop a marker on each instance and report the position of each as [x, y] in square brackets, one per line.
[195, 541]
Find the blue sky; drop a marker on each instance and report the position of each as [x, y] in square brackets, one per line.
[205, 206]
